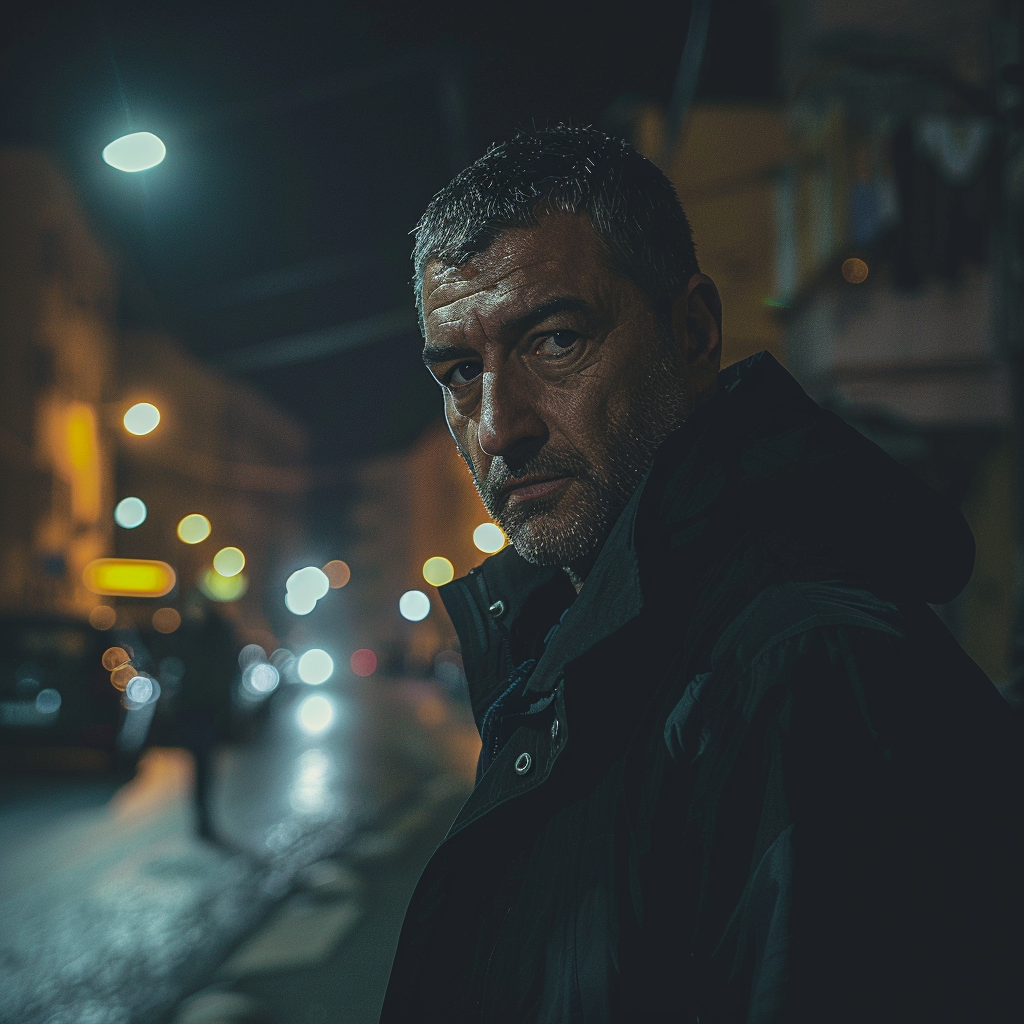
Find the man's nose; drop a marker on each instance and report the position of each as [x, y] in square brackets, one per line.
[510, 424]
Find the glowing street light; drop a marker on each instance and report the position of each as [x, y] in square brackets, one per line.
[141, 418]
[135, 152]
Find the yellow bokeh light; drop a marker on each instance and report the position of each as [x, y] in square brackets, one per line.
[223, 588]
[141, 418]
[114, 657]
[338, 573]
[166, 620]
[855, 270]
[129, 577]
[194, 528]
[438, 571]
[489, 538]
[102, 617]
[122, 676]
[229, 561]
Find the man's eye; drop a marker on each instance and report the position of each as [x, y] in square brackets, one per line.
[463, 374]
[557, 343]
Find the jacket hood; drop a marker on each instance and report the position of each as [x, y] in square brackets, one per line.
[821, 498]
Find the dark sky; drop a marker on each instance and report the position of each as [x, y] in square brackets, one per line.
[303, 142]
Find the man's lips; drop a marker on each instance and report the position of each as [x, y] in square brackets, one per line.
[531, 487]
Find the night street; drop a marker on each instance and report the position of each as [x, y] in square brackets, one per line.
[112, 912]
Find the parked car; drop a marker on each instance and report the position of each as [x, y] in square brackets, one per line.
[58, 708]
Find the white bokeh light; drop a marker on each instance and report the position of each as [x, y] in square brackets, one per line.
[142, 418]
[48, 701]
[315, 714]
[414, 605]
[304, 588]
[488, 538]
[261, 678]
[315, 667]
[298, 605]
[130, 512]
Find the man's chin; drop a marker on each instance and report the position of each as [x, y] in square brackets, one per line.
[554, 538]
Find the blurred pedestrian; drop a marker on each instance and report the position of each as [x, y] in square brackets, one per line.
[208, 650]
[734, 768]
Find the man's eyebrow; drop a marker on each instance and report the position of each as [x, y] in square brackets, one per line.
[517, 325]
[431, 356]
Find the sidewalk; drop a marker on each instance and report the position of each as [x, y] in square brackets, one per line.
[324, 955]
[114, 914]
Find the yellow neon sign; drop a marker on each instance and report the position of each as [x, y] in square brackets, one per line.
[129, 577]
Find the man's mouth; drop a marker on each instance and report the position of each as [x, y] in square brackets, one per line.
[530, 488]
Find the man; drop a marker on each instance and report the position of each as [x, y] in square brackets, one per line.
[733, 766]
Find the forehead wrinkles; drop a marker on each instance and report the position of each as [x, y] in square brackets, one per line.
[454, 296]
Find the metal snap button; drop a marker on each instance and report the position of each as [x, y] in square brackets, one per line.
[554, 729]
[523, 762]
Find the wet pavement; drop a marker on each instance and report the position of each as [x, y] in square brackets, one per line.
[111, 912]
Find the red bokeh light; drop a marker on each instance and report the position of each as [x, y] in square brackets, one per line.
[364, 662]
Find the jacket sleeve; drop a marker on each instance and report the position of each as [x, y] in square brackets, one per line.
[880, 882]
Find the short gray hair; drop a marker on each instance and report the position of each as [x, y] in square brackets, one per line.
[631, 205]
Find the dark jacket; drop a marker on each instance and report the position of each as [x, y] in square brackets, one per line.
[750, 776]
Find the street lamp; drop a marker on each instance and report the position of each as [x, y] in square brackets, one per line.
[136, 152]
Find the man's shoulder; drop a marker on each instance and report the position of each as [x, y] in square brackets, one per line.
[781, 611]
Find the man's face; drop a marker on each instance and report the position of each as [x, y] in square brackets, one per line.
[559, 383]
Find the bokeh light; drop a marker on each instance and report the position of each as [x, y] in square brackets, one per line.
[139, 689]
[229, 561]
[363, 662]
[315, 713]
[120, 677]
[251, 654]
[304, 588]
[102, 617]
[194, 528]
[141, 418]
[130, 512]
[315, 666]
[166, 620]
[438, 571]
[115, 657]
[135, 152]
[129, 577]
[223, 588]
[260, 678]
[338, 573]
[414, 605]
[855, 270]
[309, 582]
[48, 701]
[488, 537]
[299, 605]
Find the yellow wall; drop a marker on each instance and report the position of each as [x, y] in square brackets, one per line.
[723, 170]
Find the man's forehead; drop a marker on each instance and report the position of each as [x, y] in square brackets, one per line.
[519, 265]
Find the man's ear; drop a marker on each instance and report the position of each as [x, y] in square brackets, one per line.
[697, 326]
